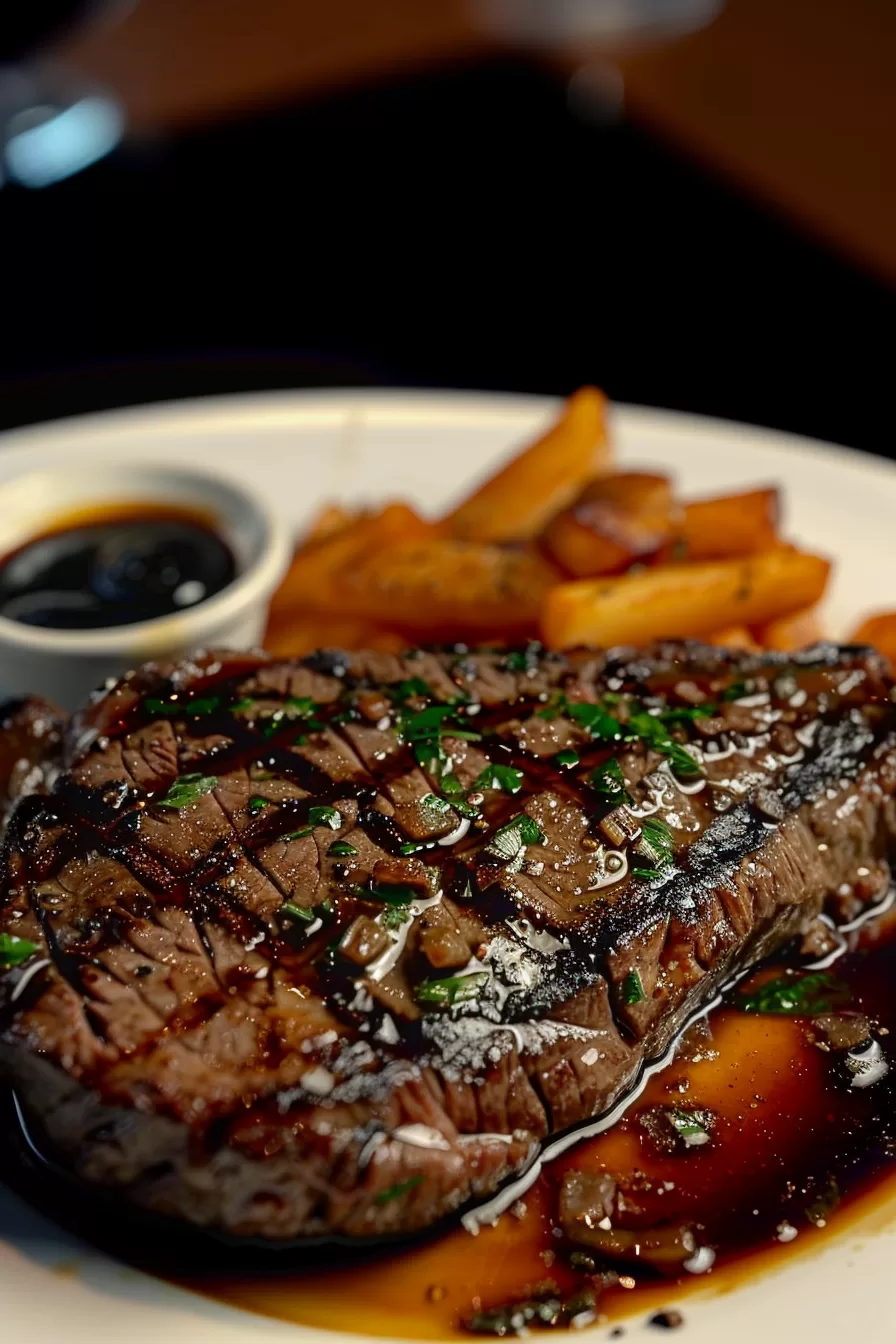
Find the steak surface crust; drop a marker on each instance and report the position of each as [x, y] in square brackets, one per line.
[329, 947]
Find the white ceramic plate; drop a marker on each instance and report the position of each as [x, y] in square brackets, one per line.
[299, 449]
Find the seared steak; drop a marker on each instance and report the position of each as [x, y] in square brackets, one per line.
[329, 947]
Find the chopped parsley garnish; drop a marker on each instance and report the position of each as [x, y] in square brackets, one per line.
[455, 989]
[795, 996]
[523, 660]
[567, 760]
[505, 777]
[242, 704]
[646, 874]
[652, 731]
[414, 686]
[509, 841]
[320, 815]
[692, 1126]
[394, 917]
[412, 847]
[296, 707]
[300, 913]
[632, 989]
[341, 849]
[608, 782]
[13, 951]
[424, 731]
[396, 1191]
[656, 842]
[687, 714]
[738, 689]
[596, 721]
[186, 790]
[196, 708]
[433, 803]
[256, 804]
[390, 893]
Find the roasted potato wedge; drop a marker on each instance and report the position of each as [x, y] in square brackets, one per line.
[727, 525]
[680, 600]
[735, 637]
[616, 521]
[312, 580]
[332, 518]
[794, 631]
[438, 588]
[880, 632]
[515, 504]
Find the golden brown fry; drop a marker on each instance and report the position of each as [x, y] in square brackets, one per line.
[296, 633]
[312, 580]
[616, 521]
[515, 504]
[679, 600]
[329, 520]
[735, 637]
[795, 631]
[714, 529]
[439, 588]
[880, 632]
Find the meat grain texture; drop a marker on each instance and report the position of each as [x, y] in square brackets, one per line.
[329, 947]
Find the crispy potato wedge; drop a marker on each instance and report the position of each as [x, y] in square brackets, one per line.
[515, 504]
[735, 637]
[616, 521]
[880, 632]
[435, 587]
[296, 633]
[680, 600]
[794, 631]
[727, 525]
[329, 520]
[312, 582]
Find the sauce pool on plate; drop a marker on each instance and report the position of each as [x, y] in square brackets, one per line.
[114, 566]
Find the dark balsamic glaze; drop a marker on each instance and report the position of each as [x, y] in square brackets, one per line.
[124, 564]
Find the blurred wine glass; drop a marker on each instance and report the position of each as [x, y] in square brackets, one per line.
[52, 123]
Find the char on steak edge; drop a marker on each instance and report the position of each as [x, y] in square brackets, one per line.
[329, 946]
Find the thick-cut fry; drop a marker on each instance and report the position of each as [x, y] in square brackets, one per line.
[787, 633]
[311, 581]
[616, 521]
[296, 633]
[682, 599]
[515, 504]
[714, 529]
[880, 632]
[735, 637]
[439, 588]
[332, 518]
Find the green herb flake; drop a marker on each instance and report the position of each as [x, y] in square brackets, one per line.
[256, 804]
[455, 989]
[596, 721]
[433, 803]
[646, 874]
[687, 714]
[412, 847]
[567, 760]
[465, 809]
[391, 893]
[323, 815]
[186, 790]
[523, 660]
[692, 1126]
[608, 782]
[240, 705]
[632, 989]
[806, 995]
[506, 777]
[652, 731]
[656, 842]
[14, 951]
[396, 1191]
[413, 687]
[299, 913]
[509, 841]
[171, 708]
[341, 849]
[394, 917]
[737, 690]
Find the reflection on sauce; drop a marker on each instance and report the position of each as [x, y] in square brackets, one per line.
[791, 1139]
[114, 566]
[801, 1142]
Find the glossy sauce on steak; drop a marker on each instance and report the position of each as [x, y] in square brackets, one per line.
[330, 947]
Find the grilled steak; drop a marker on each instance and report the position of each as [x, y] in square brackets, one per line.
[329, 947]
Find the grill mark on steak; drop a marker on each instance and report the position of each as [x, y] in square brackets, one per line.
[295, 1071]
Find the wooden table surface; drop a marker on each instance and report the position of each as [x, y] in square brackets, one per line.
[794, 100]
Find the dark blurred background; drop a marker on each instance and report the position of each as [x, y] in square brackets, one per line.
[691, 204]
